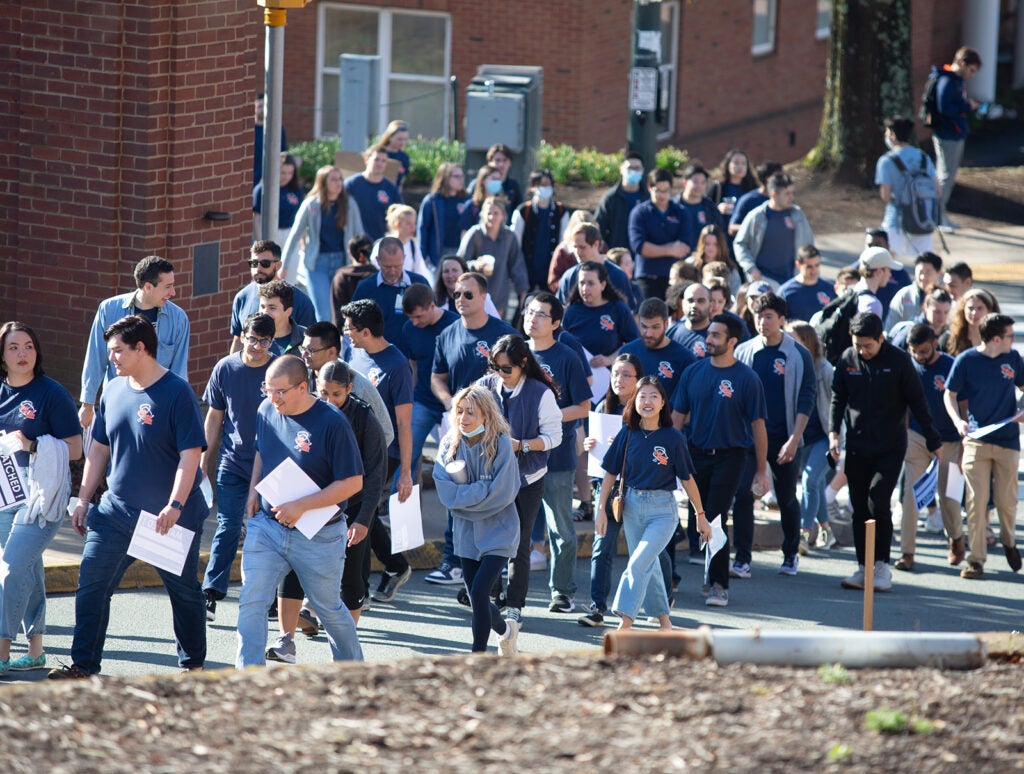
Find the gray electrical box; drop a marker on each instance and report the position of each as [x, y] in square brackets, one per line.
[358, 100]
[503, 105]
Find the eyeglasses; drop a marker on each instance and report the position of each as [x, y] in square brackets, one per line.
[535, 313]
[467, 294]
[258, 342]
[507, 370]
[310, 351]
[266, 392]
[263, 263]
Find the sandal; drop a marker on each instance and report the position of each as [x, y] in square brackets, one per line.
[905, 563]
[583, 513]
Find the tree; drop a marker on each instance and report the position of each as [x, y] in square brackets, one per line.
[867, 79]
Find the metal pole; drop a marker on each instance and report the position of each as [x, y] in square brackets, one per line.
[869, 574]
[642, 133]
[274, 19]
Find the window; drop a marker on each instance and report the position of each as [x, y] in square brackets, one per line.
[764, 27]
[414, 48]
[824, 25]
[665, 117]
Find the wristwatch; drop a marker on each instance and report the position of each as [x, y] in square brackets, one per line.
[526, 447]
[176, 505]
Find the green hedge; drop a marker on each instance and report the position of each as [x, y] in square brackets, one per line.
[425, 156]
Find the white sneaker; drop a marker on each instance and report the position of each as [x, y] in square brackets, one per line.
[883, 577]
[717, 596]
[826, 538]
[739, 570]
[445, 575]
[507, 643]
[538, 561]
[933, 523]
[855, 581]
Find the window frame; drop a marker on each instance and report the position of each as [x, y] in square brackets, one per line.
[671, 66]
[765, 48]
[822, 33]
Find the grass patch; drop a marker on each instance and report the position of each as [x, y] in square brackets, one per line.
[834, 674]
[885, 720]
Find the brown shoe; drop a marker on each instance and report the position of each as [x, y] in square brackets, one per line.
[66, 672]
[973, 571]
[1012, 557]
[905, 563]
[957, 551]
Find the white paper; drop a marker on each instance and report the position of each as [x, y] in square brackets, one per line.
[406, 522]
[602, 427]
[168, 552]
[714, 545]
[924, 487]
[982, 431]
[13, 488]
[602, 378]
[955, 483]
[288, 482]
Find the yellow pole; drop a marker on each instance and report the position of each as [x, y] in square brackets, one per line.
[869, 574]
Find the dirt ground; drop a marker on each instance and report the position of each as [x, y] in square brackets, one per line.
[568, 713]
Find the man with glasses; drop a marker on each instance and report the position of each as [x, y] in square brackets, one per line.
[461, 357]
[388, 285]
[660, 233]
[264, 264]
[234, 395]
[294, 425]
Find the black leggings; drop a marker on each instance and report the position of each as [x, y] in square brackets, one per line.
[479, 577]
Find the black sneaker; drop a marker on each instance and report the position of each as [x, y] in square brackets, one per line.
[463, 597]
[594, 618]
[211, 605]
[1012, 557]
[272, 612]
[390, 584]
[560, 603]
[67, 672]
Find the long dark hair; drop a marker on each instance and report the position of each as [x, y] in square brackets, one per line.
[610, 292]
[441, 296]
[519, 354]
[294, 184]
[631, 416]
[749, 181]
[611, 399]
[10, 327]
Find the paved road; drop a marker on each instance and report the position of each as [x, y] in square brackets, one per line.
[426, 620]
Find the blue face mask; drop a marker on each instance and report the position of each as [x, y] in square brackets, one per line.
[545, 192]
[633, 177]
[494, 187]
[473, 433]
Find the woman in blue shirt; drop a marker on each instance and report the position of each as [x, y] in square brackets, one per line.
[41, 415]
[597, 315]
[289, 200]
[649, 454]
[438, 225]
[393, 141]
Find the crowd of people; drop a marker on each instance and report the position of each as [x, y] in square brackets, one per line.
[697, 323]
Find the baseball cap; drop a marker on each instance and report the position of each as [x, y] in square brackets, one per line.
[878, 258]
[758, 288]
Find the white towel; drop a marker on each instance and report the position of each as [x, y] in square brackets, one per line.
[49, 483]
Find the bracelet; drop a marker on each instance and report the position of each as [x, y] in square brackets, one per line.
[698, 513]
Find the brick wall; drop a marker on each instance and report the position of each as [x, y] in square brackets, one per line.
[122, 123]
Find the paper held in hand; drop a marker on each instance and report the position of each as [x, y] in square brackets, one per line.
[288, 482]
[602, 427]
[167, 552]
[406, 522]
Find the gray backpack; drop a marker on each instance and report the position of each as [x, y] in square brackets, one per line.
[918, 206]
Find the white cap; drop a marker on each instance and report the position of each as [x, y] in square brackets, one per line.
[878, 258]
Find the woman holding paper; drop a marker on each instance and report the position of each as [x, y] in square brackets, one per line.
[477, 478]
[38, 417]
[650, 454]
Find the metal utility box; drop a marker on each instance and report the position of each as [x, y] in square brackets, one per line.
[358, 100]
[503, 104]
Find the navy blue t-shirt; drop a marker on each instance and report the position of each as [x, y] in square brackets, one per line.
[601, 329]
[987, 384]
[41, 407]
[695, 341]
[777, 256]
[746, 204]
[563, 365]
[653, 461]
[933, 380]
[770, 367]
[373, 200]
[564, 337]
[332, 237]
[247, 302]
[701, 214]
[320, 441]
[388, 371]
[389, 299]
[666, 363]
[802, 301]
[234, 388]
[419, 345]
[814, 431]
[402, 158]
[463, 354]
[287, 208]
[649, 224]
[722, 404]
[616, 276]
[146, 431]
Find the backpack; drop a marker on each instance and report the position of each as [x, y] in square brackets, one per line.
[917, 207]
[834, 327]
[928, 114]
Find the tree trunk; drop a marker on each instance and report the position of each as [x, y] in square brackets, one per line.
[867, 80]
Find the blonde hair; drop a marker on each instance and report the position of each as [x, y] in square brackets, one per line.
[490, 416]
[395, 214]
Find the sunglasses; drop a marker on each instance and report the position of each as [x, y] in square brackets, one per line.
[507, 370]
[467, 294]
[263, 263]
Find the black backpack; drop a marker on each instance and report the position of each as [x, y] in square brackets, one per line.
[919, 202]
[834, 327]
[929, 111]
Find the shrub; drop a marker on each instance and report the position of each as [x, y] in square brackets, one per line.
[425, 156]
[671, 158]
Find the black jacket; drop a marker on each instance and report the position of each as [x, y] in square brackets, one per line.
[612, 215]
[374, 451]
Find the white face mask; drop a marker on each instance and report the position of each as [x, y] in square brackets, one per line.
[545, 192]
[473, 433]
[888, 141]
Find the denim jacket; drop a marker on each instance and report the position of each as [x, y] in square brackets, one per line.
[307, 225]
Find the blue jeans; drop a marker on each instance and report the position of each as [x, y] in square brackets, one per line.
[424, 419]
[814, 467]
[558, 514]
[23, 578]
[232, 492]
[104, 562]
[320, 278]
[601, 557]
[649, 519]
[269, 552]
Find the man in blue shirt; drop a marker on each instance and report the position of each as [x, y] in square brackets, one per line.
[264, 263]
[950, 126]
[233, 395]
[989, 377]
[691, 332]
[585, 244]
[752, 199]
[373, 192]
[146, 443]
[892, 184]
[658, 354]
[720, 405]
[154, 280]
[660, 233]
[703, 212]
[387, 286]
[770, 235]
[807, 292]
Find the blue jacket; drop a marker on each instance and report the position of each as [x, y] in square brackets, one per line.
[532, 412]
[430, 227]
[307, 226]
[172, 333]
[954, 107]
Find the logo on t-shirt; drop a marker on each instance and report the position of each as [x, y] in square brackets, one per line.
[483, 349]
[789, 223]
[665, 370]
[547, 369]
[699, 349]
[779, 366]
[702, 218]
[607, 323]
[1007, 371]
[303, 441]
[660, 455]
[375, 374]
[939, 382]
[383, 197]
[145, 414]
[823, 298]
[292, 199]
[27, 409]
[725, 388]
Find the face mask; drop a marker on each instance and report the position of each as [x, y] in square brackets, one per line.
[545, 192]
[473, 433]
[494, 187]
[633, 177]
[888, 142]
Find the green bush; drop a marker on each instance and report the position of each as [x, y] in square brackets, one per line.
[671, 158]
[314, 154]
[425, 156]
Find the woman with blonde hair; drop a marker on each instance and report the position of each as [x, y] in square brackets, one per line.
[477, 478]
[326, 219]
[440, 212]
[401, 220]
[488, 184]
[393, 141]
[970, 310]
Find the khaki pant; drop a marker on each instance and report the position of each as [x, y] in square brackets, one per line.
[984, 462]
[917, 459]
